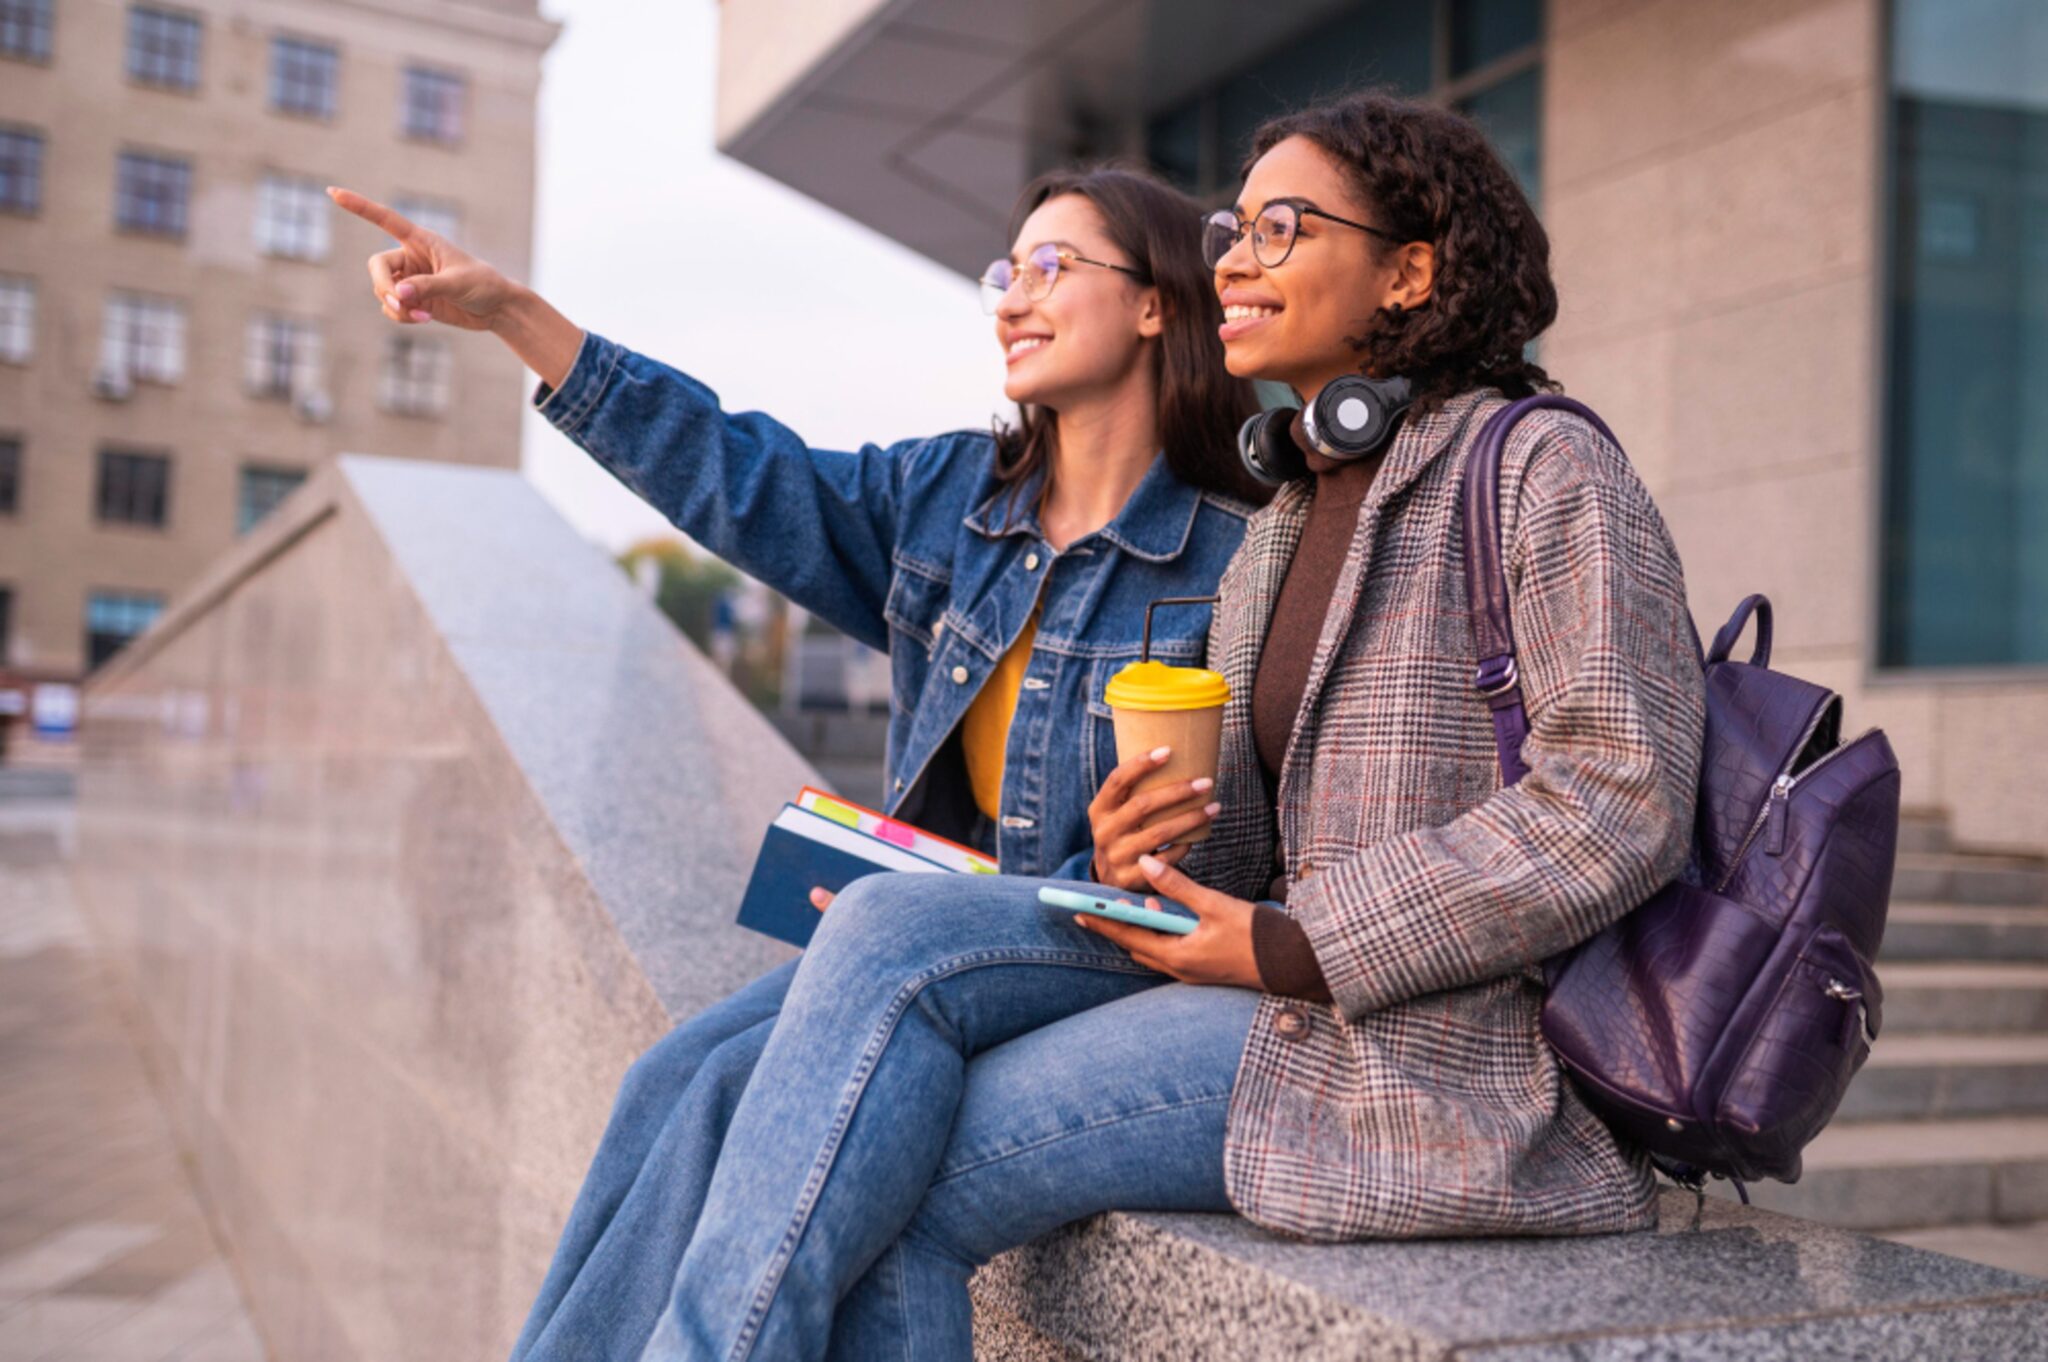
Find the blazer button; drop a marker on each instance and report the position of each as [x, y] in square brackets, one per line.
[959, 676]
[1292, 1023]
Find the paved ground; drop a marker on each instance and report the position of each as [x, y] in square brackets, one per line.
[105, 1254]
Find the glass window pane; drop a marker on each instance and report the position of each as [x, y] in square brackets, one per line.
[25, 29]
[1484, 31]
[163, 48]
[21, 170]
[1511, 115]
[1965, 557]
[261, 490]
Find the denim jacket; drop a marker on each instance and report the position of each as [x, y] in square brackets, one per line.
[917, 549]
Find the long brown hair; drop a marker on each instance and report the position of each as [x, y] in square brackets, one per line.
[1431, 175]
[1200, 404]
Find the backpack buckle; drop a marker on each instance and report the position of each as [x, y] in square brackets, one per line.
[1496, 676]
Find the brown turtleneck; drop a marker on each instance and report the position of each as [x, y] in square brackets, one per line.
[1287, 963]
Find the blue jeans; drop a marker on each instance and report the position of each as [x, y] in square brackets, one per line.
[956, 1070]
[612, 1269]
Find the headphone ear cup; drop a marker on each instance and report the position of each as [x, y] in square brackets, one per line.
[1353, 416]
[1266, 444]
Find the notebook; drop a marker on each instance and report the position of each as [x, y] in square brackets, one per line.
[824, 841]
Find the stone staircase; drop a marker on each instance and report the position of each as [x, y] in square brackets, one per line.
[1947, 1124]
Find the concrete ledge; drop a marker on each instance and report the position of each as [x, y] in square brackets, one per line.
[412, 825]
[1744, 1284]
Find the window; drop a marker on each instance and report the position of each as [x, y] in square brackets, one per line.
[1459, 52]
[262, 489]
[21, 170]
[10, 474]
[151, 192]
[25, 29]
[282, 358]
[438, 216]
[17, 319]
[6, 621]
[1964, 561]
[114, 617]
[415, 377]
[431, 107]
[163, 48]
[302, 77]
[135, 489]
[143, 339]
[292, 218]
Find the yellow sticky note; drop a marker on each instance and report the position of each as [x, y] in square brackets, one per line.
[837, 812]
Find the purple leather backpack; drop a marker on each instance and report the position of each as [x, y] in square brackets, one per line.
[1718, 1023]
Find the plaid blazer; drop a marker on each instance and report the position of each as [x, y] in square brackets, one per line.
[1424, 1100]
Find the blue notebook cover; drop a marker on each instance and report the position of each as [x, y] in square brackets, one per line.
[803, 851]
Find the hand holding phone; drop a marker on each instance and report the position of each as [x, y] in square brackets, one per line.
[1169, 917]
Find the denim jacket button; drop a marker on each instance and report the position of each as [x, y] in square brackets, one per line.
[938, 628]
[1292, 1023]
[959, 676]
[1031, 562]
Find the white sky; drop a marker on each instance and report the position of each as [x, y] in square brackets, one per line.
[646, 235]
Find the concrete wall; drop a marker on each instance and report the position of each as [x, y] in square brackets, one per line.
[1713, 186]
[410, 827]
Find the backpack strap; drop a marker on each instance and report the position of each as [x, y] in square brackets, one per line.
[1486, 582]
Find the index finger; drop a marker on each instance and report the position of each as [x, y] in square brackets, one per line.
[1127, 774]
[372, 212]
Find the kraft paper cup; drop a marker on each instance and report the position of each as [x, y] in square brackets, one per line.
[1156, 705]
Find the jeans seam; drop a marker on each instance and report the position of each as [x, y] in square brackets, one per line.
[821, 1167]
[1118, 1119]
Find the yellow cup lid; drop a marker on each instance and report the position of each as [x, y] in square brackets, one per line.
[1156, 686]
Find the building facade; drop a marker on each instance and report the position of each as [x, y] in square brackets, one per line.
[185, 329]
[1801, 246]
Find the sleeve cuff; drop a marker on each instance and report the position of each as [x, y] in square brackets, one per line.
[1287, 963]
[570, 405]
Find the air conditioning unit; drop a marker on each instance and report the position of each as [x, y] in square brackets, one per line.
[112, 383]
[314, 406]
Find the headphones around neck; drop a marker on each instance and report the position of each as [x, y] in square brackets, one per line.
[1351, 417]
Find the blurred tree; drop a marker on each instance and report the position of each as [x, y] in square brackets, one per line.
[687, 587]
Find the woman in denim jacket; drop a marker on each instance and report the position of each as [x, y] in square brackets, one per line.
[958, 1069]
[1005, 574]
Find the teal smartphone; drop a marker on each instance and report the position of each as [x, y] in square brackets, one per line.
[1179, 920]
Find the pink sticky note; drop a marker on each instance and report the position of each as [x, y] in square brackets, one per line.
[895, 832]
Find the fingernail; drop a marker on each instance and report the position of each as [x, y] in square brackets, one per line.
[1213, 809]
[1161, 753]
[420, 316]
[406, 291]
[1203, 783]
[1152, 864]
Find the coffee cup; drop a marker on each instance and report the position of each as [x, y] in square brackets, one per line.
[1154, 705]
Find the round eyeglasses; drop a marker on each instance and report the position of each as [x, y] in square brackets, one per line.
[1039, 272]
[1273, 232]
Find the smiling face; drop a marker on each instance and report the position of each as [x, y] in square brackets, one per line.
[1089, 335]
[1289, 323]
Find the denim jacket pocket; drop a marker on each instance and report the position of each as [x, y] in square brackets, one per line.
[917, 600]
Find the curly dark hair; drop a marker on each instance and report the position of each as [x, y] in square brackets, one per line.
[1431, 175]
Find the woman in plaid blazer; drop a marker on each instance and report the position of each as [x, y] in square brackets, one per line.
[1348, 1046]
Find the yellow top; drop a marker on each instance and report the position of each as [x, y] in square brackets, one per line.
[985, 729]
[1157, 687]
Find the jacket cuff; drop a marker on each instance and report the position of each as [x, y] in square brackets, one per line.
[570, 405]
[1287, 962]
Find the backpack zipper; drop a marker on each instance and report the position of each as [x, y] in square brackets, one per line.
[1775, 804]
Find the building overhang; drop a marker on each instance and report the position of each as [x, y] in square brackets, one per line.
[924, 118]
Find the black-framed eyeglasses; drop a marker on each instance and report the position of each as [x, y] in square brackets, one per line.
[1273, 232]
[1040, 271]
